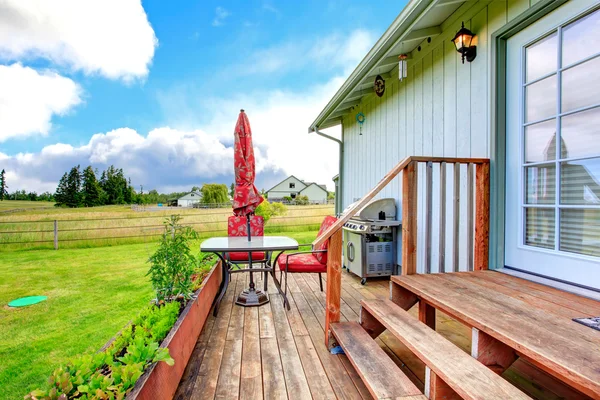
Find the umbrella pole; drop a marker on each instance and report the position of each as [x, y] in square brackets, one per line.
[250, 252]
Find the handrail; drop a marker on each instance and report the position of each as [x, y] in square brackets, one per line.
[386, 179]
[409, 165]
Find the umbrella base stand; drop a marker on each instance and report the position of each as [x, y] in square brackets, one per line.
[252, 297]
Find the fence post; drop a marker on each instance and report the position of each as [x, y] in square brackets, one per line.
[55, 235]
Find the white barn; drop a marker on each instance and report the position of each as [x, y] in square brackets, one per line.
[189, 199]
[535, 80]
[292, 187]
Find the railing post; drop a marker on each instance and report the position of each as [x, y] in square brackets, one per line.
[55, 235]
[409, 218]
[482, 216]
[334, 283]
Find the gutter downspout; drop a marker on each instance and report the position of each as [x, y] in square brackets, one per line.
[338, 202]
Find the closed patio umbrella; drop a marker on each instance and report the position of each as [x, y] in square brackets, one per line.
[246, 197]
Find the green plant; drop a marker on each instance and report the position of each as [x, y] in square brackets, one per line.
[172, 265]
[268, 210]
[301, 200]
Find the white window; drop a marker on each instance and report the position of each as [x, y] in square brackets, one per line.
[560, 135]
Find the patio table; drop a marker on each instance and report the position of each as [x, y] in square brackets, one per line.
[222, 245]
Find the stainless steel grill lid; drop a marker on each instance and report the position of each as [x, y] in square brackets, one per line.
[374, 209]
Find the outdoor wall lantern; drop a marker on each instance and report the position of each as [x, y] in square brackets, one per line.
[463, 42]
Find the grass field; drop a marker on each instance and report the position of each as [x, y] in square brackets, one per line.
[115, 225]
[6, 205]
[92, 293]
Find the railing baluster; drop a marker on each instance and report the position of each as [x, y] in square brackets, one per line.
[456, 214]
[442, 216]
[428, 219]
[470, 226]
[409, 218]
[482, 216]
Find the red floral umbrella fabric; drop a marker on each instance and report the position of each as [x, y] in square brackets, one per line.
[246, 197]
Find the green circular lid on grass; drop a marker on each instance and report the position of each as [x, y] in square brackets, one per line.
[27, 301]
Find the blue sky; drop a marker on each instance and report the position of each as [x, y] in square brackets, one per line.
[186, 84]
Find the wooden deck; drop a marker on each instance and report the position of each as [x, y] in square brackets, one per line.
[268, 352]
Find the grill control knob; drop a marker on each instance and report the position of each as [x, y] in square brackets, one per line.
[362, 227]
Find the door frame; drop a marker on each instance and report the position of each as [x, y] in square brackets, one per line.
[497, 127]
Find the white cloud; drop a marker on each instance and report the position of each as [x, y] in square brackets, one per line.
[171, 159]
[334, 51]
[29, 99]
[112, 38]
[220, 15]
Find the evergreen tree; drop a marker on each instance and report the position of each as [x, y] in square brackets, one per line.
[60, 197]
[129, 193]
[3, 186]
[91, 188]
[74, 188]
[232, 190]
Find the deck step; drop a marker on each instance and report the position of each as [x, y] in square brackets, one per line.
[462, 373]
[382, 377]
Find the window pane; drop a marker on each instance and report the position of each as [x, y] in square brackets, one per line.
[540, 98]
[541, 57]
[581, 85]
[541, 184]
[580, 231]
[540, 141]
[580, 134]
[539, 227]
[580, 182]
[580, 39]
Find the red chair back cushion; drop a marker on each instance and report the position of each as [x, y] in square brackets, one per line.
[236, 226]
[327, 222]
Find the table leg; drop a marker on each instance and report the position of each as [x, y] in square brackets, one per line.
[226, 274]
[277, 284]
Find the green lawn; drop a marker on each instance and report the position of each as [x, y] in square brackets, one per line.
[92, 293]
[23, 204]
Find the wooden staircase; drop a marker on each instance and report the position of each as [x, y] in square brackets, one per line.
[450, 372]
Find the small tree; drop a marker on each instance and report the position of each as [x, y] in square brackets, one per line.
[3, 186]
[232, 190]
[268, 210]
[301, 200]
[214, 193]
[172, 265]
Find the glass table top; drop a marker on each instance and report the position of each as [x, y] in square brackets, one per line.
[257, 243]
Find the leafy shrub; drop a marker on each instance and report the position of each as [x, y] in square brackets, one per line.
[112, 373]
[287, 198]
[172, 265]
[301, 200]
[268, 210]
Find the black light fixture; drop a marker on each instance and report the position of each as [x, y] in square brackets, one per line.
[463, 40]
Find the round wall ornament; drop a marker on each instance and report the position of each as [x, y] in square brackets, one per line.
[360, 118]
[379, 85]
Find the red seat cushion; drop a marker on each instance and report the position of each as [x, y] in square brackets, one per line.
[327, 222]
[301, 263]
[243, 256]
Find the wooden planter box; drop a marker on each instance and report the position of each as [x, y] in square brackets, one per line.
[160, 381]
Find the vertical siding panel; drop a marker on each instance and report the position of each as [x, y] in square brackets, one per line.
[410, 111]
[438, 101]
[479, 88]
[463, 101]
[418, 111]
[450, 96]
[427, 104]
[392, 144]
[516, 7]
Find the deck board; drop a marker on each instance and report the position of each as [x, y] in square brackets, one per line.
[268, 352]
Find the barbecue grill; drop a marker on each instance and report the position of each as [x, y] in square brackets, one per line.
[370, 240]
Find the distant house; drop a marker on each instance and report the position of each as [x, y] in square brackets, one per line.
[293, 187]
[188, 199]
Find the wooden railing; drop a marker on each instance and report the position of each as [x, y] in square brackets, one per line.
[477, 221]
